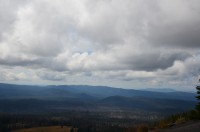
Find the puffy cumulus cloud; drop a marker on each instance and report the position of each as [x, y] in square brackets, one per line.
[16, 74]
[104, 42]
[183, 69]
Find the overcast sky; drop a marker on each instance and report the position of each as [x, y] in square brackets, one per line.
[120, 43]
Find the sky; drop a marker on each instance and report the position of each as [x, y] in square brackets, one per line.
[120, 43]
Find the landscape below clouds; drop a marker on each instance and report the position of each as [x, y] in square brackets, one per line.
[36, 99]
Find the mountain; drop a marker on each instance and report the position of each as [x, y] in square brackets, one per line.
[163, 90]
[74, 91]
[25, 98]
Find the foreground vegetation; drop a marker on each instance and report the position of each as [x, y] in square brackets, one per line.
[47, 129]
[92, 121]
[178, 119]
[193, 115]
[85, 121]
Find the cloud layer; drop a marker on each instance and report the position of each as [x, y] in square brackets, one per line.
[124, 43]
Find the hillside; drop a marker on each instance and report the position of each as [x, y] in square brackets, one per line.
[104, 108]
[26, 99]
[186, 127]
[77, 91]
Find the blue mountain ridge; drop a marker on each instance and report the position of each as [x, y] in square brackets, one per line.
[25, 98]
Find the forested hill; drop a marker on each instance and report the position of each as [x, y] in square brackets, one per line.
[11, 91]
[26, 98]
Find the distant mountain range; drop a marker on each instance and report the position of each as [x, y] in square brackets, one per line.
[164, 90]
[25, 98]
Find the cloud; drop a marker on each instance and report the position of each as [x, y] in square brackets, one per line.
[129, 41]
[8, 15]
[184, 69]
[178, 25]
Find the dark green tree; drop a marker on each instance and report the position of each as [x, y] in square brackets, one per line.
[198, 98]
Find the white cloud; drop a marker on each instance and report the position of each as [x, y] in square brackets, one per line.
[131, 41]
